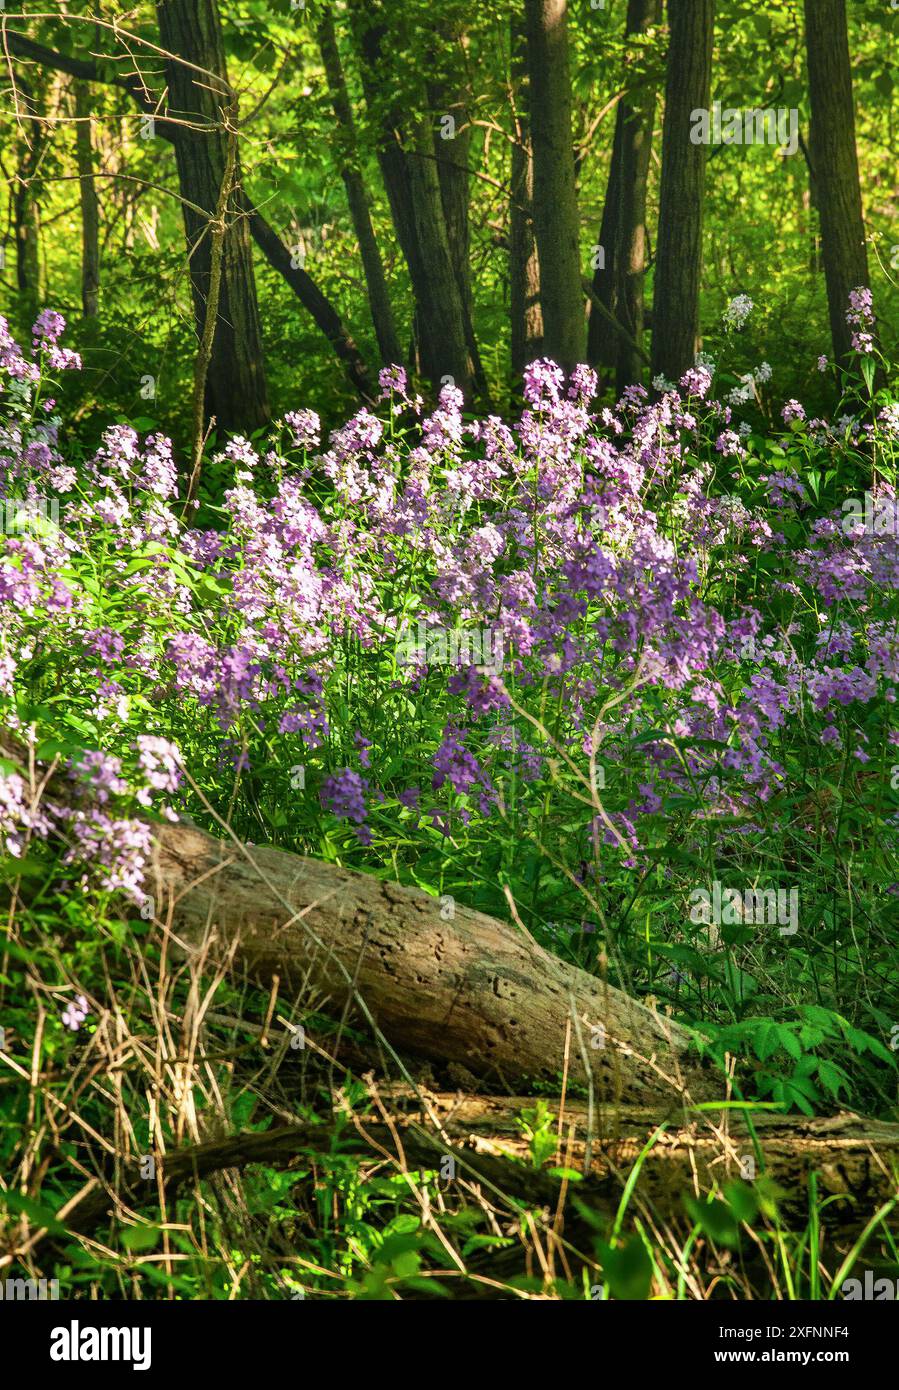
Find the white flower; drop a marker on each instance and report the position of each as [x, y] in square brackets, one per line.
[744, 392]
[890, 417]
[738, 311]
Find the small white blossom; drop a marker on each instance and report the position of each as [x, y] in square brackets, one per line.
[738, 311]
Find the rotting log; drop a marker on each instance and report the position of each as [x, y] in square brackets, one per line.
[856, 1160]
[483, 994]
[472, 991]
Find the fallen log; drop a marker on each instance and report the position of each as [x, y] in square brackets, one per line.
[482, 994]
[853, 1157]
[471, 990]
[856, 1161]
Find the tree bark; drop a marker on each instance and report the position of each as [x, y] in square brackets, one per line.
[555, 191]
[199, 98]
[471, 990]
[836, 189]
[26, 213]
[452, 155]
[675, 311]
[851, 1157]
[630, 242]
[26, 210]
[312, 299]
[357, 197]
[524, 270]
[90, 210]
[412, 184]
[445, 341]
[602, 340]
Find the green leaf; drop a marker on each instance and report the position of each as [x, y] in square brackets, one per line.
[867, 366]
[627, 1270]
[766, 1042]
[715, 1219]
[39, 1215]
[742, 1200]
[135, 1238]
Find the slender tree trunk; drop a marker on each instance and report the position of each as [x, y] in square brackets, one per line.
[90, 211]
[452, 155]
[201, 96]
[26, 214]
[555, 192]
[445, 342]
[412, 184]
[311, 297]
[630, 242]
[357, 197]
[524, 269]
[835, 160]
[26, 211]
[602, 340]
[618, 280]
[675, 312]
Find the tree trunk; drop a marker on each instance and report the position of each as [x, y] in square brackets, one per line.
[469, 990]
[452, 154]
[675, 311]
[630, 241]
[200, 97]
[555, 192]
[835, 159]
[452, 151]
[602, 339]
[444, 342]
[90, 212]
[851, 1156]
[26, 211]
[524, 270]
[412, 184]
[312, 299]
[357, 197]
[26, 214]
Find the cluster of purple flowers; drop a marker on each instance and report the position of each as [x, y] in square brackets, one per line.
[109, 850]
[343, 794]
[600, 545]
[860, 317]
